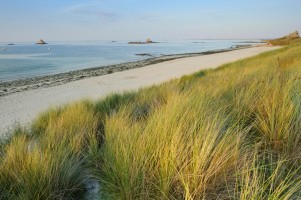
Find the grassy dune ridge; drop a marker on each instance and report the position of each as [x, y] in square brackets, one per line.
[229, 133]
[283, 41]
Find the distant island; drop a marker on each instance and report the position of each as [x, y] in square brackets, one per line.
[148, 41]
[41, 42]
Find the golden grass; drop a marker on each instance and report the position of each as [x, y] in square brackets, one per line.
[229, 133]
[283, 41]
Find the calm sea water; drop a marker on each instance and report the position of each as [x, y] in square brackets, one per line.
[25, 60]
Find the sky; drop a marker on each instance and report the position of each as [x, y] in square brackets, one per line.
[91, 20]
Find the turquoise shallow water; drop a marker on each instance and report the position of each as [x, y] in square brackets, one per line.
[25, 60]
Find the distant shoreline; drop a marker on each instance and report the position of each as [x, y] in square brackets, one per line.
[10, 87]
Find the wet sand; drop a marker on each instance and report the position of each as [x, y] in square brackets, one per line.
[23, 106]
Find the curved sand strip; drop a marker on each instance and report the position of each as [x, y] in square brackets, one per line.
[23, 107]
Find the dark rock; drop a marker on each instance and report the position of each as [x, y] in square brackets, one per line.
[41, 42]
[143, 54]
[241, 46]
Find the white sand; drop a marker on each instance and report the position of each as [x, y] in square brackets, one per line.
[23, 107]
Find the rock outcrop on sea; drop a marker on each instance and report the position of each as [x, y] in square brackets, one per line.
[148, 41]
[41, 42]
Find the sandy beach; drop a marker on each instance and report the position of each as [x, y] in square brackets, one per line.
[20, 85]
[24, 105]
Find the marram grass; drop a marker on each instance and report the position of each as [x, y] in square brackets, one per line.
[229, 133]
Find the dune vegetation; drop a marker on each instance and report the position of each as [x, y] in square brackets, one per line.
[228, 133]
[287, 40]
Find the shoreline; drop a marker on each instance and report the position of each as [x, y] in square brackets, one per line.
[23, 107]
[46, 81]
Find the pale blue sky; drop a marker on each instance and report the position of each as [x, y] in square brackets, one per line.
[86, 20]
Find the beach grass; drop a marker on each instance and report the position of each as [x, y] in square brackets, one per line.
[284, 41]
[228, 133]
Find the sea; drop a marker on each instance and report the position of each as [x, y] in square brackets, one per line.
[27, 60]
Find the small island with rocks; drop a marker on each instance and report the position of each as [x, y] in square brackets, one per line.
[148, 41]
[41, 42]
